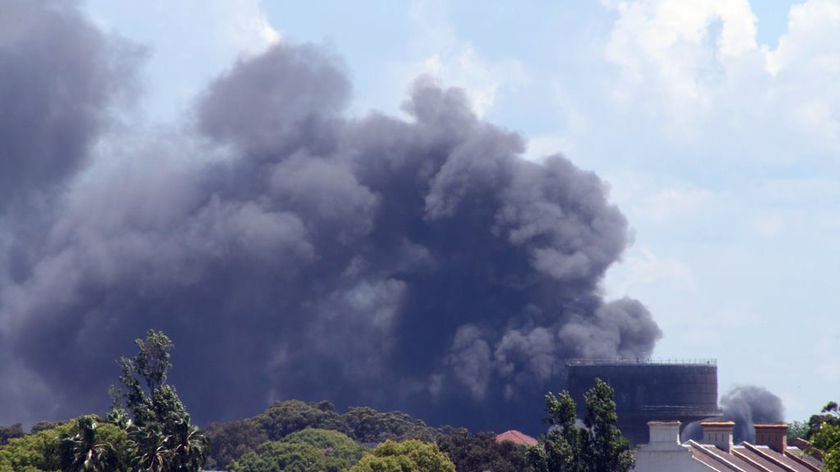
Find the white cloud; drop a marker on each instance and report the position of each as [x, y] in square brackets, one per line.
[681, 47]
[189, 41]
[455, 62]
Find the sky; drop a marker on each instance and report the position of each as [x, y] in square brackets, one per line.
[715, 125]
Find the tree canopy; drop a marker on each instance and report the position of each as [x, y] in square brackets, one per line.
[595, 446]
[304, 451]
[159, 429]
[481, 452]
[412, 455]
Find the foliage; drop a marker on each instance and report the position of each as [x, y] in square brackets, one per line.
[829, 415]
[827, 439]
[825, 435]
[412, 455]
[596, 446]
[367, 425]
[88, 450]
[286, 417]
[310, 450]
[480, 452]
[232, 440]
[798, 429]
[43, 450]
[9, 432]
[34, 452]
[159, 429]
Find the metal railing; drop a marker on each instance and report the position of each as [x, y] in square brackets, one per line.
[648, 361]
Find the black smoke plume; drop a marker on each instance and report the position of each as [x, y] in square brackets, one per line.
[747, 406]
[291, 251]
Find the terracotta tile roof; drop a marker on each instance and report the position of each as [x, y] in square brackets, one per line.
[516, 437]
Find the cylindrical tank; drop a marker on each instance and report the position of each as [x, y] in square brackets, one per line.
[649, 390]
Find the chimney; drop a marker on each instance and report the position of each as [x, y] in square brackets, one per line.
[664, 434]
[718, 433]
[773, 435]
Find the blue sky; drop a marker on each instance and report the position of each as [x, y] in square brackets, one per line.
[715, 122]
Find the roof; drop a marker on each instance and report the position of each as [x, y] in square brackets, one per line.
[746, 457]
[516, 437]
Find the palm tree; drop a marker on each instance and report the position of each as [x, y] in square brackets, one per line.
[188, 447]
[82, 453]
[148, 451]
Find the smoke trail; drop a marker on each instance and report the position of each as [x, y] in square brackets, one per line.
[421, 264]
[746, 406]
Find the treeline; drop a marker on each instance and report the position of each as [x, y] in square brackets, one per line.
[235, 443]
[148, 429]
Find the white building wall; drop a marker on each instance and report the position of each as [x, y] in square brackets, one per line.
[664, 453]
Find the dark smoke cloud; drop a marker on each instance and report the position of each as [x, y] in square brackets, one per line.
[746, 406]
[59, 75]
[417, 264]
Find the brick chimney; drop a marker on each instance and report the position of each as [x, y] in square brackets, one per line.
[773, 435]
[718, 433]
[664, 434]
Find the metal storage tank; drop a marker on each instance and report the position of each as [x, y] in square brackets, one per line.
[649, 390]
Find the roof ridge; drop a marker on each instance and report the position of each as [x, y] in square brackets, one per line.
[800, 460]
[750, 461]
[768, 457]
[702, 448]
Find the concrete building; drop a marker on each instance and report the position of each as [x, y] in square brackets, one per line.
[770, 453]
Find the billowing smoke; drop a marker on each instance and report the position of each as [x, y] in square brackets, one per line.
[746, 406]
[292, 251]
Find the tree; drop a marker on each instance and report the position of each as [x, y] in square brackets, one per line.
[162, 437]
[9, 432]
[367, 425]
[45, 449]
[824, 433]
[562, 448]
[309, 450]
[412, 455]
[597, 445]
[85, 452]
[282, 418]
[231, 440]
[480, 452]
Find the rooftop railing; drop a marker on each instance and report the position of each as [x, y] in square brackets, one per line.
[620, 361]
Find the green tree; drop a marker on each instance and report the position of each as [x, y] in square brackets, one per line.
[162, 437]
[309, 450]
[480, 452]
[44, 449]
[231, 440]
[412, 455]
[367, 425]
[286, 417]
[85, 451]
[9, 432]
[596, 446]
[608, 448]
[824, 433]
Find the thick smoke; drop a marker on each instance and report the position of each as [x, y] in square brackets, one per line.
[417, 264]
[746, 406]
[58, 77]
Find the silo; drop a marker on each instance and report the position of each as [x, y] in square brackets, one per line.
[649, 390]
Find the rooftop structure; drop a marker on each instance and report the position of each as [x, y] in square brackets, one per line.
[770, 453]
[647, 390]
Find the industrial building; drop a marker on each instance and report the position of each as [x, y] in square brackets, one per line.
[649, 391]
